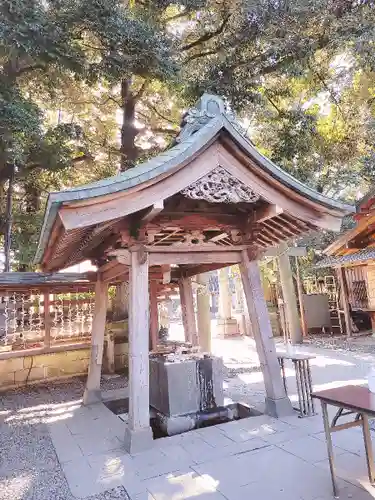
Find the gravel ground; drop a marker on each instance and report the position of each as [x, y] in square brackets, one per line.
[359, 344]
[29, 469]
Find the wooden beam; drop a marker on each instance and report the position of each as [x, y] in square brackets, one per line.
[112, 270]
[265, 212]
[291, 251]
[190, 271]
[186, 257]
[196, 220]
[122, 255]
[153, 212]
[192, 248]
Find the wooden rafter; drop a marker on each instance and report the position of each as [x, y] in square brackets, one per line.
[284, 227]
[271, 235]
[276, 230]
[294, 223]
[266, 239]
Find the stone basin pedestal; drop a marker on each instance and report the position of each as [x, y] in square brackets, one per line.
[185, 390]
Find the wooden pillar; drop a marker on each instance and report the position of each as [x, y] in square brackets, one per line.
[345, 300]
[277, 403]
[204, 313]
[92, 391]
[290, 300]
[138, 435]
[110, 352]
[300, 299]
[187, 311]
[154, 323]
[225, 302]
[226, 325]
[121, 301]
[185, 325]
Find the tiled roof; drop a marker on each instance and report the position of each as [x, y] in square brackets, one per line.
[34, 279]
[353, 258]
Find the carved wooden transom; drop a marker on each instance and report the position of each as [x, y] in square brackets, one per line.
[184, 238]
[219, 186]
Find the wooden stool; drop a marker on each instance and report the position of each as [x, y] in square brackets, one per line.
[303, 379]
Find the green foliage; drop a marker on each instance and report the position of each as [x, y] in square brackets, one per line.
[73, 72]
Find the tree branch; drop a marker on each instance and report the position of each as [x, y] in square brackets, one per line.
[84, 157]
[25, 69]
[207, 36]
[273, 103]
[110, 98]
[163, 130]
[160, 115]
[201, 54]
[141, 91]
[177, 16]
[330, 92]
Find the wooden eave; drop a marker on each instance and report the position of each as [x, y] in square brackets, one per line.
[345, 243]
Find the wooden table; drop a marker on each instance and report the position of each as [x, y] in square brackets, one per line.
[301, 364]
[350, 399]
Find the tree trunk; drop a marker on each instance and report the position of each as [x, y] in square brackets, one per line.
[8, 228]
[32, 198]
[128, 149]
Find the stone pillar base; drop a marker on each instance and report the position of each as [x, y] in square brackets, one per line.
[91, 396]
[227, 328]
[138, 440]
[279, 407]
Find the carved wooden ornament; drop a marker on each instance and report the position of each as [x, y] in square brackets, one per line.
[219, 186]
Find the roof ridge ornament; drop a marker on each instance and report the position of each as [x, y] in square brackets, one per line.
[219, 186]
[208, 107]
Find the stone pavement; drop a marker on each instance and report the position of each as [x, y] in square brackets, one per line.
[258, 457]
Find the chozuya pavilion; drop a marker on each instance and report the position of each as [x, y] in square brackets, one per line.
[210, 201]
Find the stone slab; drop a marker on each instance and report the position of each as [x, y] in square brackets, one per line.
[183, 484]
[174, 389]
